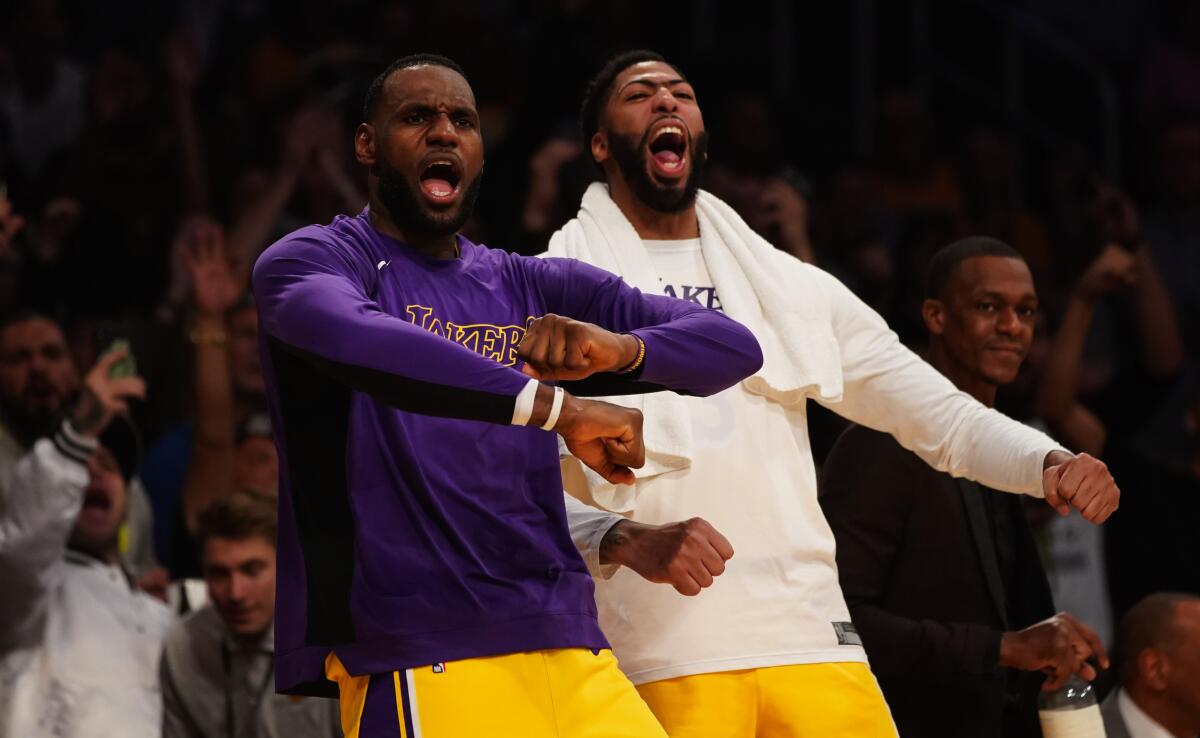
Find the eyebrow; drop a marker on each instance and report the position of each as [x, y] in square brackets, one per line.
[648, 83]
[1000, 296]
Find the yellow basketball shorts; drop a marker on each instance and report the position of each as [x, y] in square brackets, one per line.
[840, 700]
[564, 693]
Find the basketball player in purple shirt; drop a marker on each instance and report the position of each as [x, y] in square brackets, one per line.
[426, 572]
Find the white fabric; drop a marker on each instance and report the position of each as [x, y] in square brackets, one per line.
[751, 475]
[79, 648]
[800, 355]
[1140, 724]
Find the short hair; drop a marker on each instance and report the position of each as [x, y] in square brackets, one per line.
[945, 262]
[238, 517]
[375, 89]
[1151, 623]
[598, 89]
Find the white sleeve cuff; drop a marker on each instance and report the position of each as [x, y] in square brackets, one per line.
[73, 444]
[523, 407]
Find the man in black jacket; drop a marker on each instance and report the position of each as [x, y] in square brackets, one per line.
[941, 575]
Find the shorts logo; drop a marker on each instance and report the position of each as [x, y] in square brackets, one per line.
[439, 667]
[847, 634]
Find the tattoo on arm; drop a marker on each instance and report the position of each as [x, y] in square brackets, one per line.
[615, 538]
[88, 416]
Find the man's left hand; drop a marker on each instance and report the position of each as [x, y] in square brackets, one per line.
[559, 348]
[1082, 482]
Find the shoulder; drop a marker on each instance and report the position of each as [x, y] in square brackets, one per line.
[194, 635]
[343, 245]
[861, 458]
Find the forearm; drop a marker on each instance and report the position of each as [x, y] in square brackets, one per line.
[214, 383]
[1059, 383]
[944, 652]
[44, 491]
[252, 231]
[592, 530]
[1162, 343]
[195, 179]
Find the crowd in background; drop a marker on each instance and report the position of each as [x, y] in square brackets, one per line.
[148, 155]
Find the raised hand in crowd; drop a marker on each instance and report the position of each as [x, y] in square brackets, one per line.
[102, 396]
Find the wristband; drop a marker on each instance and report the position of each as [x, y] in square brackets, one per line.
[524, 404]
[555, 409]
[637, 360]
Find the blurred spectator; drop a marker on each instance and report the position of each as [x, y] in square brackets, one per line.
[44, 101]
[755, 180]
[217, 664]
[941, 575]
[193, 465]
[80, 643]
[1172, 229]
[1158, 663]
[39, 383]
[908, 174]
[1130, 412]
[990, 182]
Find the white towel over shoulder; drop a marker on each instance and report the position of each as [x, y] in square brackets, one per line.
[767, 290]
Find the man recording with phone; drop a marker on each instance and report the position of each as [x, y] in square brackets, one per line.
[79, 643]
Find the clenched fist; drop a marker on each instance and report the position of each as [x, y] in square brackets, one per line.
[1082, 482]
[558, 348]
[605, 437]
[686, 555]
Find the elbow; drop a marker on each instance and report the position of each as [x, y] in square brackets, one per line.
[747, 357]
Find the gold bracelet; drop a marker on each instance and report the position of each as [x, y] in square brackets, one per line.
[208, 338]
[641, 356]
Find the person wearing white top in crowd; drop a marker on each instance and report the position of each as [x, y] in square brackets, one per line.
[79, 643]
[769, 649]
[1158, 664]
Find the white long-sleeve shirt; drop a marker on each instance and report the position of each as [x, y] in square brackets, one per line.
[753, 478]
[79, 647]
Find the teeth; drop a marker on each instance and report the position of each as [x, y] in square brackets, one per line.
[669, 129]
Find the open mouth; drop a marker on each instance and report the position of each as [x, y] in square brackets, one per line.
[96, 500]
[668, 148]
[440, 179]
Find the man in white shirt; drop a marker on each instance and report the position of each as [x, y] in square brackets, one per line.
[770, 649]
[79, 644]
[1158, 662]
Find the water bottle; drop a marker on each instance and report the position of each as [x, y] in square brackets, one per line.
[1071, 711]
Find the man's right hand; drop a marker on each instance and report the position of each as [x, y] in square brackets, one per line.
[686, 555]
[607, 438]
[1059, 646]
[103, 397]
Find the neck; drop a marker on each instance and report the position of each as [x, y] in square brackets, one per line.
[649, 223]
[435, 246]
[1178, 722]
[108, 554]
[963, 378]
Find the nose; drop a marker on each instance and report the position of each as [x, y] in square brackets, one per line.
[1009, 322]
[664, 101]
[442, 132]
[237, 588]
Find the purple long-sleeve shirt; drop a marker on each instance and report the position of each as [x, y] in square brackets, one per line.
[416, 525]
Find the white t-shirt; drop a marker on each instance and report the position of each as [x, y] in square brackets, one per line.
[752, 477]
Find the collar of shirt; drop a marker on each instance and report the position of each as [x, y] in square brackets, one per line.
[1139, 723]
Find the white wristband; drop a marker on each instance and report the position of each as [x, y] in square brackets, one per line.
[555, 409]
[524, 404]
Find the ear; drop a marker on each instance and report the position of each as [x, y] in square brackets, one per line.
[1154, 668]
[599, 147]
[933, 312]
[364, 144]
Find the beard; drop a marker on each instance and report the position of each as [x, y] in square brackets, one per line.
[410, 215]
[27, 425]
[630, 156]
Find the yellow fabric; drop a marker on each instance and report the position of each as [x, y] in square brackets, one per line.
[800, 701]
[567, 693]
[352, 694]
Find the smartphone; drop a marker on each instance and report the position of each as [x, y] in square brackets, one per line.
[126, 367]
